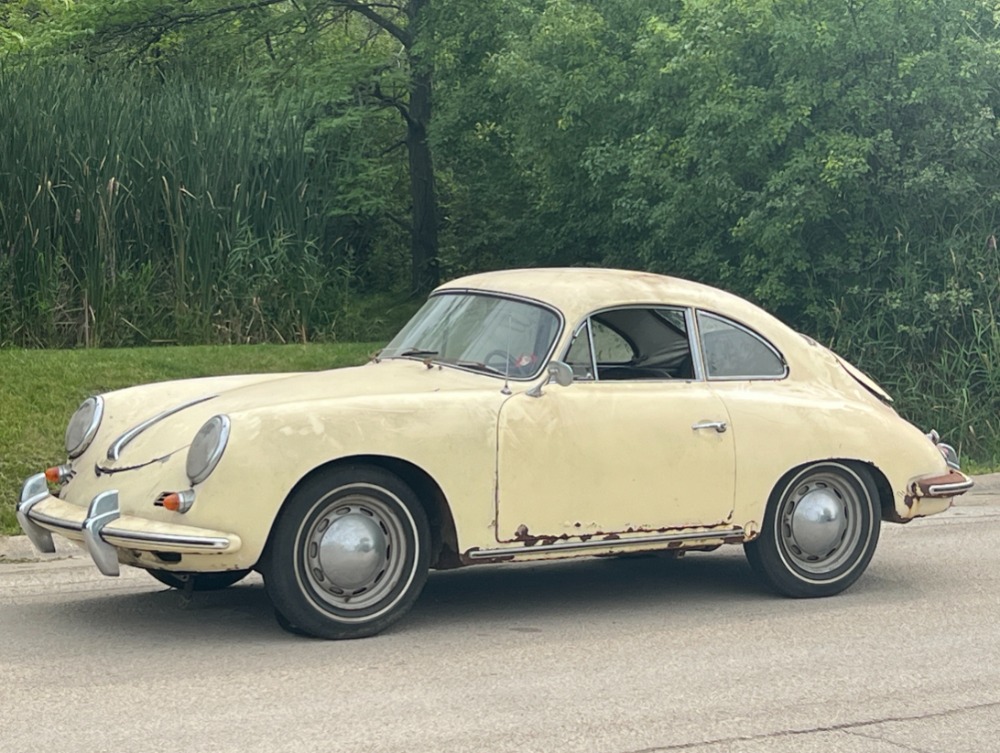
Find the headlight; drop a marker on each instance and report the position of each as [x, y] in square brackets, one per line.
[207, 448]
[84, 425]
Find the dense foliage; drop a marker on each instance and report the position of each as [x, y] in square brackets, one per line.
[244, 170]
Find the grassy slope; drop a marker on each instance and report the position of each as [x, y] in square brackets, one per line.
[40, 389]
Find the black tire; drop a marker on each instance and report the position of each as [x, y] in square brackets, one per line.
[199, 581]
[820, 531]
[288, 627]
[348, 555]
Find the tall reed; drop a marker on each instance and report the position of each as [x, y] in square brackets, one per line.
[931, 335]
[136, 210]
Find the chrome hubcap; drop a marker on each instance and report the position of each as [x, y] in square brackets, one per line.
[354, 552]
[820, 523]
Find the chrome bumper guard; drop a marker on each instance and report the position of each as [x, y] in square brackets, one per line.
[35, 489]
[101, 537]
[102, 511]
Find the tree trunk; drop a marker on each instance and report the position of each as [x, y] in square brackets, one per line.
[423, 224]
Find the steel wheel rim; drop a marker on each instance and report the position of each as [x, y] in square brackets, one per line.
[353, 552]
[820, 523]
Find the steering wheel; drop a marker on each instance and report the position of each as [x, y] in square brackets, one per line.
[507, 363]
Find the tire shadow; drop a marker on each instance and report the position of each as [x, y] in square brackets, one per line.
[632, 587]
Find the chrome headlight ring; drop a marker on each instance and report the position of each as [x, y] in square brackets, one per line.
[83, 426]
[207, 447]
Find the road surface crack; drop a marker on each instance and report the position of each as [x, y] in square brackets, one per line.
[845, 727]
[882, 739]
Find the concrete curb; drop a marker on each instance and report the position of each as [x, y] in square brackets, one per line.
[19, 549]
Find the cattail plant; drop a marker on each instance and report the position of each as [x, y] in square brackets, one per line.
[134, 210]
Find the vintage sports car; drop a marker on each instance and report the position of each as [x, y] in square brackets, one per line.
[519, 416]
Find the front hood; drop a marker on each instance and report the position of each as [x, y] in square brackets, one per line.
[147, 424]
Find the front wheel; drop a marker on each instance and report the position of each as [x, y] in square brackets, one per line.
[348, 555]
[820, 531]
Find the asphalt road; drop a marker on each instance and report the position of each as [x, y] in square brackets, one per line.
[615, 655]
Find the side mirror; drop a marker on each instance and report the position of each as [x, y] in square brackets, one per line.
[558, 372]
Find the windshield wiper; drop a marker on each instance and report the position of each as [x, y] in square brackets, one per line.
[417, 353]
[477, 366]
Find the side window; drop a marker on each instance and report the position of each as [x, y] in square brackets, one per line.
[635, 343]
[610, 346]
[732, 351]
[579, 357]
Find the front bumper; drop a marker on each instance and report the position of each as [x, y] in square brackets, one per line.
[105, 532]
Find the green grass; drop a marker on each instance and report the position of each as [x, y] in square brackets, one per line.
[40, 389]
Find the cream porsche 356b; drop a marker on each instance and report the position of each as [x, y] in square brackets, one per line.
[519, 416]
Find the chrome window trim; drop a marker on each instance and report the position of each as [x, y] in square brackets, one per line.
[542, 362]
[757, 336]
[115, 450]
[590, 344]
[593, 351]
[694, 338]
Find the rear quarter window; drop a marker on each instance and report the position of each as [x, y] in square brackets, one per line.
[732, 351]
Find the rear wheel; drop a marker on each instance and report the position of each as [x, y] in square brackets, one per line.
[349, 554]
[820, 531]
[199, 581]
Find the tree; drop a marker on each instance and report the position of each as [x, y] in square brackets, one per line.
[151, 31]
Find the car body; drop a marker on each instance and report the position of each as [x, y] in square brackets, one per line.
[521, 415]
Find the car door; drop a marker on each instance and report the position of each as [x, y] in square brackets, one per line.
[637, 443]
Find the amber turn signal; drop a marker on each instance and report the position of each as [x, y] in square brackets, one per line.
[58, 474]
[176, 501]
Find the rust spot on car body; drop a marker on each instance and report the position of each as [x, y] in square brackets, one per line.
[524, 536]
[925, 487]
[951, 484]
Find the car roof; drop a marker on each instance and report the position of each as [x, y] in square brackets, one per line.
[577, 291]
[580, 291]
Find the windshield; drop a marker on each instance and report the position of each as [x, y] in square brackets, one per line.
[479, 332]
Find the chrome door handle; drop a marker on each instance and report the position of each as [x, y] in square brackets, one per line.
[719, 426]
